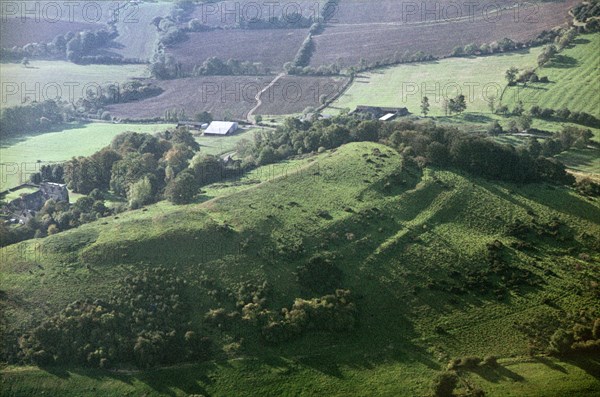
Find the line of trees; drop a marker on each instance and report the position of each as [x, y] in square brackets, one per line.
[426, 143]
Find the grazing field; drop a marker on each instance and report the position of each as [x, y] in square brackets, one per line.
[399, 249]
[24, 155]
[271, 48]
[223, 96]
[15, 32]
[386, 29]
[137, 36]
[574, 80]
[405, 85]
[44, 80]
[293, 94]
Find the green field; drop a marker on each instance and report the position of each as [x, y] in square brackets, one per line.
[574, 80]
[398, 235]
[404, 85]
[21, 156]
[51, 79]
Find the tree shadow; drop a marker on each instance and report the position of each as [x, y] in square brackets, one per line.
[13, 140]
[496, 373]
[563, 62]
[587, 362]
[550, 364]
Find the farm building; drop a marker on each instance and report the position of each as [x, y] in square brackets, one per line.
[25, 207]
[221, 128]
[382, 113]
[193, 125]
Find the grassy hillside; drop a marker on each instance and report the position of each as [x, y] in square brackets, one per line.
[20, 155]
[574, 80]
[405, 85]
[412, 246]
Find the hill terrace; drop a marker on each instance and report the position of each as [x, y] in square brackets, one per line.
[382, 113]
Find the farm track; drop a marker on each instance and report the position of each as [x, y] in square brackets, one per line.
[259, 95]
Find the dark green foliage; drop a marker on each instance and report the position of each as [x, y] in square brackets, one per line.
[182, 189]
[588, 187]
[319, 275]
[329, 313]
[444, 384]
[143, 323]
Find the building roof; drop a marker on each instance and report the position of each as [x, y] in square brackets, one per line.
[387, 117]
[220, 127]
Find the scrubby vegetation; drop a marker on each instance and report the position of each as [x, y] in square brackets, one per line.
[143, 323]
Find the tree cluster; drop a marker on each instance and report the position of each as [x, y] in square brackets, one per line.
[143, 323]
[336, 313]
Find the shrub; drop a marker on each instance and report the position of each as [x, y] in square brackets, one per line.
[444, 384]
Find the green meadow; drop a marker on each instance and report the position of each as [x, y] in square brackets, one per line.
[22, 155]
[405, 85]
[574, 80]
[407, 242]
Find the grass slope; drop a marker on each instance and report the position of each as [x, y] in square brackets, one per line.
[575, 80]
[23, 155]
[405, 85]
[398, 235]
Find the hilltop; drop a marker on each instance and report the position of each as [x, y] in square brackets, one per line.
[440, 265]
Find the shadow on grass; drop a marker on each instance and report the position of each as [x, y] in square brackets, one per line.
[552, 365]
[13, 140]
[496, 374]
[588, 362]
[563, 62]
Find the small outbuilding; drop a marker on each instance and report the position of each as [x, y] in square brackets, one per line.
[221, 128]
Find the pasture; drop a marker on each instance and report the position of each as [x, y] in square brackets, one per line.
[574, 80]
[226, 97]
[44, 80]
[405, 85]
[24, 155]
[383, 30]
[15, 32]
[137, 36]
[400, 245]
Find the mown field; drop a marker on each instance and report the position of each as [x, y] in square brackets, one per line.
[401, 239]
[60, 79]
[23, 155]
[223, 96]
[15, 32]
[383, 29]
[405, 85]
[137, 36]
[271, 48]
[293, 94]
[574, 80]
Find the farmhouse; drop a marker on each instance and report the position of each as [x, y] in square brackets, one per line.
[221, 128]
[25, 207]
[382, 113]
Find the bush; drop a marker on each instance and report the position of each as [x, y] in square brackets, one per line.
[319, 275]
[444, 384]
